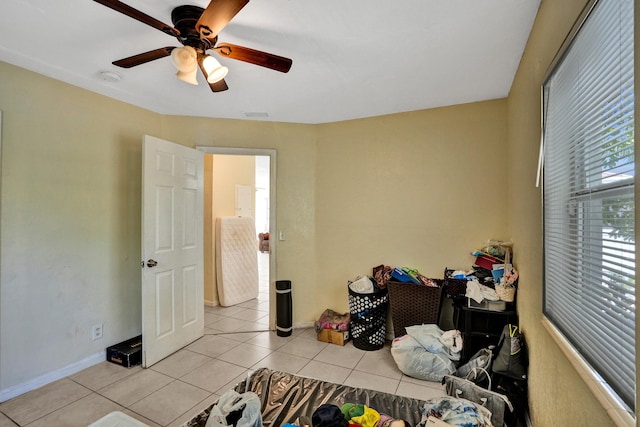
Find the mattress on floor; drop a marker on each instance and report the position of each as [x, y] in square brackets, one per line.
[236, 260]
[286, 397]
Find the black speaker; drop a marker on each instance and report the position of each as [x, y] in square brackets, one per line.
[283, 308]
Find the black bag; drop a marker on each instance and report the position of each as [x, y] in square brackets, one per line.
[511, 354]
[516, 391]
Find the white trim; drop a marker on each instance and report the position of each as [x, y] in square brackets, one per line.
[304, 324]
[49, 377]
[211, 303]
[609, 401]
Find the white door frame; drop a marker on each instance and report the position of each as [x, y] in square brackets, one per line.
[272, 211]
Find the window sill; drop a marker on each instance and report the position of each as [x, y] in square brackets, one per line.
[609, 401]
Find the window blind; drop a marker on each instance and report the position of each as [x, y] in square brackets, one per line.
[588, 192]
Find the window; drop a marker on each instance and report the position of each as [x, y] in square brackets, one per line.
[589, 206]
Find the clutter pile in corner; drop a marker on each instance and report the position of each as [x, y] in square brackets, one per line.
[492, 276]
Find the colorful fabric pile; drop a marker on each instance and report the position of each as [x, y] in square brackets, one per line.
[349, 415]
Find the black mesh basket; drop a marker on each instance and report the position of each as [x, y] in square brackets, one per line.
[368, 319]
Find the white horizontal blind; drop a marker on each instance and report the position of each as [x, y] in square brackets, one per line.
[589, 206]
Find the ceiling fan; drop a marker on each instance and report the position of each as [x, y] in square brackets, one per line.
[197, 30]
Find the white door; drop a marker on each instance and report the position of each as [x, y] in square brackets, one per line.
[172, 248]
[244, 198]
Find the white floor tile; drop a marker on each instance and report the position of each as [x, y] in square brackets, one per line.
[303, 347]
[325, 372]
[269, 340]
[212, 345]
[372, 382]
[245, 355]
[380, 363]
[346, 356]
[213, 375]
[278, 361]
[170, 402]
[180, 363]
[136, 387]
[250, 315]
[79, 413]
[417, 391]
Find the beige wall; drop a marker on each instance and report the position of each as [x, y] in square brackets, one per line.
[559, 396]
[229, 171]
[70, 223]
[421, 190]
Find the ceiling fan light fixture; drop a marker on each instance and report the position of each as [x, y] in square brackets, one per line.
[215, 71]
[189, 77]
[184, 59]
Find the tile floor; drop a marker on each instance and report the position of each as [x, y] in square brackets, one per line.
[180, 386]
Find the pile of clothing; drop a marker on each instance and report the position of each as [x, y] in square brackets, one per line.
[456, 412]
[350, 414]
[493, 276]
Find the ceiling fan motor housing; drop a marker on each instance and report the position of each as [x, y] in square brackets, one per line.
[184, 19]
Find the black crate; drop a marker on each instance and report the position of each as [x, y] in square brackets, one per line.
[127, 353]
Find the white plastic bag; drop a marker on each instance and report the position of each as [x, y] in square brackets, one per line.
[415, 361]
[230, 401]
[362, 285]
[430, 336]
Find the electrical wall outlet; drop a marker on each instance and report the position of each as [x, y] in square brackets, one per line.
[96, 331]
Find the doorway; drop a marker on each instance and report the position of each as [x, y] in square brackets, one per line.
[263, 186]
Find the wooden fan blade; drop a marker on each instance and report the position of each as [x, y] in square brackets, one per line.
[217, 15]
[141, 58]
[219, 86]
[263, 59]
[139, 16]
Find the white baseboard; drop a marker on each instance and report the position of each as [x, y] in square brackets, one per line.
[211, 303]
[307, 324]
[18, 389]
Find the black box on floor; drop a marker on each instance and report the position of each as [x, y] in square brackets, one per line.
[128, 353]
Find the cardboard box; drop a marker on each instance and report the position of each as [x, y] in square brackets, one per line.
[127, 353]
[334, 337]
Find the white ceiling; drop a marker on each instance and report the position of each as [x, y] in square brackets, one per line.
[351, 58]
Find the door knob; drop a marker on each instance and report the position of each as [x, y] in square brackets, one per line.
[152, 263]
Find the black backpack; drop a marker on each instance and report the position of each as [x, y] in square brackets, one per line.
[511, 354]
